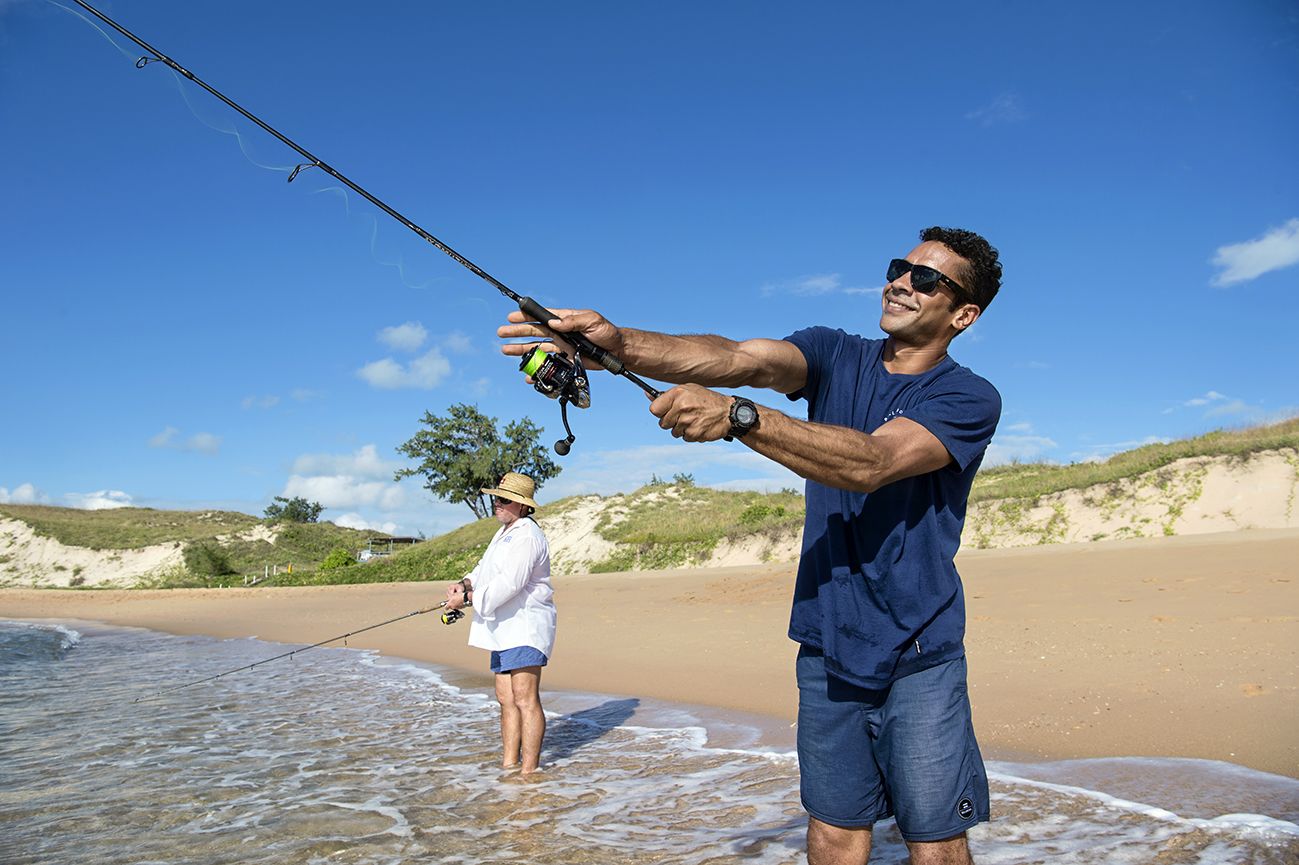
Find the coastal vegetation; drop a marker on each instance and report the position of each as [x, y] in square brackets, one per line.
[1033, 480]
[665, 523]
[677, 524]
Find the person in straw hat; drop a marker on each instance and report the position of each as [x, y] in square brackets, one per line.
[514, 617]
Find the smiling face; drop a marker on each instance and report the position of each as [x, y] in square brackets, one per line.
[915, 318]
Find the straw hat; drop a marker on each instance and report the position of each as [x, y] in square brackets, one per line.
[516, 488]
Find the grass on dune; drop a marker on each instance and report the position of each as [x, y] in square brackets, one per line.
[127, 528]
[660, 525]
[665, 526]
[1031, 480]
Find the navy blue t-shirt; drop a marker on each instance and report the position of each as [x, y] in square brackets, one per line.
[877, 588]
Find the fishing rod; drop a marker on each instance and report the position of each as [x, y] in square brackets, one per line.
[450, 617]
[554, 375]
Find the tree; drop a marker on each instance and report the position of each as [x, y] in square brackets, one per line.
[462, 453]
[294, 510]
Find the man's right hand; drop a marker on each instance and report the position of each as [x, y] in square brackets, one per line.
[589, 323]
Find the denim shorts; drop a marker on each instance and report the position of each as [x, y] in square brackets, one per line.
[906, 751]
[513, 659]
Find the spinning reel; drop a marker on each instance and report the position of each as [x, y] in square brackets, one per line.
[557, 377]
[450, 617]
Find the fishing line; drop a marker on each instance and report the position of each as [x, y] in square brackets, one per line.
[102, 32]
[291, 653]
[554, 374]
[233, 131]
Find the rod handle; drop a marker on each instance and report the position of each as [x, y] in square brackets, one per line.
[607, 360]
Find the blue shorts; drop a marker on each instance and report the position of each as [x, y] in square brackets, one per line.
[514, 659]
[906, 751]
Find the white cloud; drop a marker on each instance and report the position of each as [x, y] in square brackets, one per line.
[1241, 262]
[169, 439]
[404, 337]
[1235, 408]
[345, 491]
[1211, 396]
[1208, 398]
[360, 484]
[1004, 108]
[1017, 448]
[302, 394]
[347, 480]
[204, 443]
[1100, 453]
[23, 494]
[263, 402]
[424, 372]
[100, 500]
[356, 521]
[458, 343]
[814, 285]
[788, 481]
[1220, 405]
[363, 463]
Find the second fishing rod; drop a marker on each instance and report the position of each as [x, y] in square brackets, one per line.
[554, 374]
[448, 617]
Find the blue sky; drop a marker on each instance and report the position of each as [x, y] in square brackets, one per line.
[185, 330]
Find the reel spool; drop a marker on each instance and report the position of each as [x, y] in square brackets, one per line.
[450, 617]
[555, 376]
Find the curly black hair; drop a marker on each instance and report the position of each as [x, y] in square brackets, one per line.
[982, 269]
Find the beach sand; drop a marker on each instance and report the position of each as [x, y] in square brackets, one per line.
[1179, 646]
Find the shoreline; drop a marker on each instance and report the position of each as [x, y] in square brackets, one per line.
[1170, 647]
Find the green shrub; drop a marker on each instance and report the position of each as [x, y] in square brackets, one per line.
[207, 559]
[339, 557]
[755, 514]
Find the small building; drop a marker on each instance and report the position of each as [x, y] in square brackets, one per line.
[383, 547]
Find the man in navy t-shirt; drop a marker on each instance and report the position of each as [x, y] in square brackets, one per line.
[895, 432]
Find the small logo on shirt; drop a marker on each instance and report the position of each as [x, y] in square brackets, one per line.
[965, 809]
[892, 413]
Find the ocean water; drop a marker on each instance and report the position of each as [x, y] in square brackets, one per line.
[339, 756]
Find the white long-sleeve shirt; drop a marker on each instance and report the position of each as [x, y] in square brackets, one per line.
[513, 600]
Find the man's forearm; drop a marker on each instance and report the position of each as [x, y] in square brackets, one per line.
[834, 456]
[714, 361]
[848, 459]
[707, 359]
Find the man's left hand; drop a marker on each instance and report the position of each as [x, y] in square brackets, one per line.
[694, 413]
[455, 596]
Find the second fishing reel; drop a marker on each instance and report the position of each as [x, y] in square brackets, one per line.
[557, 376]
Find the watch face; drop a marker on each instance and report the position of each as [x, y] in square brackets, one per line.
[745, 415]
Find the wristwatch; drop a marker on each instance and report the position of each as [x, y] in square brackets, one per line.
[744, 417]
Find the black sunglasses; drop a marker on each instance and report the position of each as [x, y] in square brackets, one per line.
[923, 278]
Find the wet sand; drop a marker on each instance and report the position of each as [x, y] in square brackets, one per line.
[1184, 647]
